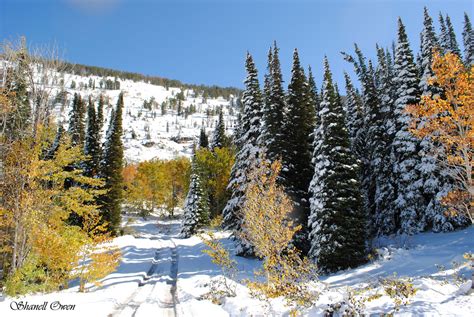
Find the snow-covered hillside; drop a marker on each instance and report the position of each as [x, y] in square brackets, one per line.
[149, 132]
[163, 275]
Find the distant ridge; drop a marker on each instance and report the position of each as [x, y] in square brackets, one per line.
[208, 91]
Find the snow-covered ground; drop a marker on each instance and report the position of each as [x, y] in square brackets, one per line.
[163, 275]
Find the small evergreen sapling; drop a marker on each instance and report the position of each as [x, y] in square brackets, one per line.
[196, 206]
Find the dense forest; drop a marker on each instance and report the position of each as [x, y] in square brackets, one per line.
[394, 157]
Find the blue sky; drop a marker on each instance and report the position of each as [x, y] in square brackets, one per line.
[205, 41]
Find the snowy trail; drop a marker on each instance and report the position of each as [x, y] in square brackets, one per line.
[156, 292]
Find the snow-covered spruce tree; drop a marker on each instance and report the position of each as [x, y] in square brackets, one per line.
[409, 205]
[196, 206]
[267, 81]
[203, 140]
[92, 142]
[274, 107]
[434, 184]
[76, 121]
[468, 40]
[111, 170]
[297, 137]
[313, 90]
[428, 43]
[453, 43]
[237, 130]
[248, 153]
[337, 221]
[354, 118]
[219, 139]
[100, 112]
[16, 123]
[444, 42]
[384, 222]
[374, 143]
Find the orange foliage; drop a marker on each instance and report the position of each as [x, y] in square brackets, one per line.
[448, 121]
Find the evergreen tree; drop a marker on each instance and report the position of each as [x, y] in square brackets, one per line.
[384, 222]
[444, 40]
[203, 140]
[453, 43]
[248, 154]
[468, 39]
[111, 169]
[267, 83]
[219, 139]
[337, 223]
[409, 201]
[429, 42]
[274, 107]
[313, 91]
[298, 133]
[92, 142]
[196, 206]
[76, 121]
[433, 182]
[374, 145]
[16, 122]
[354, 117]
[100, 112]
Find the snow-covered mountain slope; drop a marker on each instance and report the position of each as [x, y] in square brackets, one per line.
[149, 132]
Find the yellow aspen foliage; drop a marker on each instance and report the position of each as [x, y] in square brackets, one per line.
[448, 120]
[98, 256]
[268, 228]
[157, 184]
[44, 251]
[5, 102]
[215, 168]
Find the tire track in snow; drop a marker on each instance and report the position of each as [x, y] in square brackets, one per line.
[157, 296]
[174, 275]
[131, 302]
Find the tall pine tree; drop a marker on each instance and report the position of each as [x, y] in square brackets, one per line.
[468, 40]
[203, 140]
[100, 112]
[444, 40]
[274, 107]
[409, 200]
[76, 121]
[297, 137]
[219, 138]
[313, 91]
[384, 222]
[434, 184]
[374, 145]
[17, 122]
[337, 222]
[453, 43]
[111, 170]
[248, 154]
[354, 118]
[92, 142]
